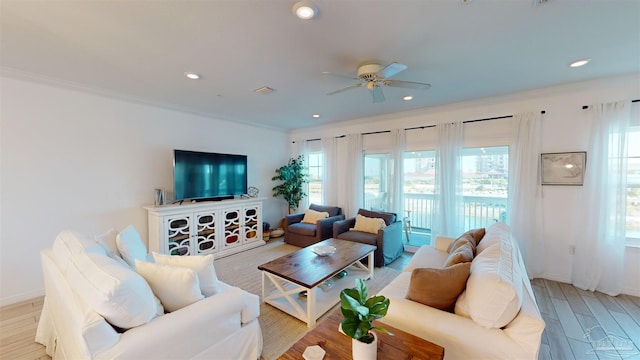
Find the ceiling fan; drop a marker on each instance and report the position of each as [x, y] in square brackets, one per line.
[373, 76]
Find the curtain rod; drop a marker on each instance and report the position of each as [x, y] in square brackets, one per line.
[587, 106]
[424, 127]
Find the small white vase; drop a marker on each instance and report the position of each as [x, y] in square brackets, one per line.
[364, 351]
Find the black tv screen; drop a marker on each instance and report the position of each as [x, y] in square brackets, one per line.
[208, 176]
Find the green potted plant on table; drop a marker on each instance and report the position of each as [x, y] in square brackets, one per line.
[359, 313]
[293, 177]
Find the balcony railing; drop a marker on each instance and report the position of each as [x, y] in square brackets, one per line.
[479, 211]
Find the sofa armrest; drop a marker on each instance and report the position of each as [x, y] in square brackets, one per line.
[442, 242]
[325, 226]
[293, 219]
[185, 333]
[343, 226]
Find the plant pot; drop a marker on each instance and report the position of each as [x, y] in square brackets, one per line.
[364, 351]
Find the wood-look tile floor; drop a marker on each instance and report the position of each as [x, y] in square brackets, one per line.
[579, 324]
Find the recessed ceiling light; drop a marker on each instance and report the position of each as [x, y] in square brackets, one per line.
[407, 98]
[316, 115]
[579, 63]
[305, 9]
[192, 76]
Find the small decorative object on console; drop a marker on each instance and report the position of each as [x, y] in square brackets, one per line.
[321, 250]
[253, 191]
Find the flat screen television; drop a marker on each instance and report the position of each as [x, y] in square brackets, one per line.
[204, 176]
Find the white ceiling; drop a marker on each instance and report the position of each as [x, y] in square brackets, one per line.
[140, 49]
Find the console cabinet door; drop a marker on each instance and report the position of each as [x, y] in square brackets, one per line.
[205, 234]
[178, 234]
[232, 227]
[252, 223]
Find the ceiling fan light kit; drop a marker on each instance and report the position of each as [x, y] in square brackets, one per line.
[373, 76]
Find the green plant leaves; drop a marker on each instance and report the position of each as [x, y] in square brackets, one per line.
[293, 177]
[359, 312]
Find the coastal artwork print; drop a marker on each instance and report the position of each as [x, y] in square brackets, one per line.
[563, 168]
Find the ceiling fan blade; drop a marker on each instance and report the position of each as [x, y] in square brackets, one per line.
[353, 86]
[407, 84]
[391, 70]
[377, 94]
[340, 75]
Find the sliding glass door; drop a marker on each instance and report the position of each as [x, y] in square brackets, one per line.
[376, 181]
[484, 182]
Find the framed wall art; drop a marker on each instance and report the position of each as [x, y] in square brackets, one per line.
[565, 168]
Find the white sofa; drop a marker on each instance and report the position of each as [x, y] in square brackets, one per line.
[497, 292]
[221, 326]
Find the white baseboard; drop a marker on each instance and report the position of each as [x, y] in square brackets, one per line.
[9, 300]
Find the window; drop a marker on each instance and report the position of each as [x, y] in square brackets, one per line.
[376, 181]
[418, 192]
[633, 186]
[485, 172]
[484, 182]
[632, 230]
[316, 175]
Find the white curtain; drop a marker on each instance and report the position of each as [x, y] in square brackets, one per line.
[525, 193]
[396, 186]
[329, 167]
[301, 147]
[448, 206]
[598, 263]
[353, 176]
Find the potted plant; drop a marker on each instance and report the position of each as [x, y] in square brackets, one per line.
[293, 177]
[359, 313]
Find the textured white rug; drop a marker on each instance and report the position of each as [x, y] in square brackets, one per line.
[279, 330]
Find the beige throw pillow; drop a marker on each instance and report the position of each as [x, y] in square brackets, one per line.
[312, 216]
[438, 288]
[369, 225]
[201, 264]
[175, 286]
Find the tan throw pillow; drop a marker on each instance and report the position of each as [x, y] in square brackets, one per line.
[438, 288]
[463, 253]
[312, 216]
[369, 225]
[474, 236]
[477, 234]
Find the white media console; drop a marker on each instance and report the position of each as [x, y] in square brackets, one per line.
[210, 227]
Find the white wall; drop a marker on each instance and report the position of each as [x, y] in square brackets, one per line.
[563, 130]
[74, 160]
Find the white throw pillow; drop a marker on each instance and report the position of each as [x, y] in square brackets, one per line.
[201, 264]
[369, 225]
[69, 243]
[494, 290]
[312, 216]
[130, 246]
[108, 241]
[112, 290]
[175, 286]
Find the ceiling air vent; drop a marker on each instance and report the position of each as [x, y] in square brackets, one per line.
[263, 90]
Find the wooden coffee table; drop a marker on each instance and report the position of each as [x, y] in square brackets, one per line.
[338, 346]
[286, 278]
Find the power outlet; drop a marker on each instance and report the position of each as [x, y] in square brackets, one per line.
[572, 249]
